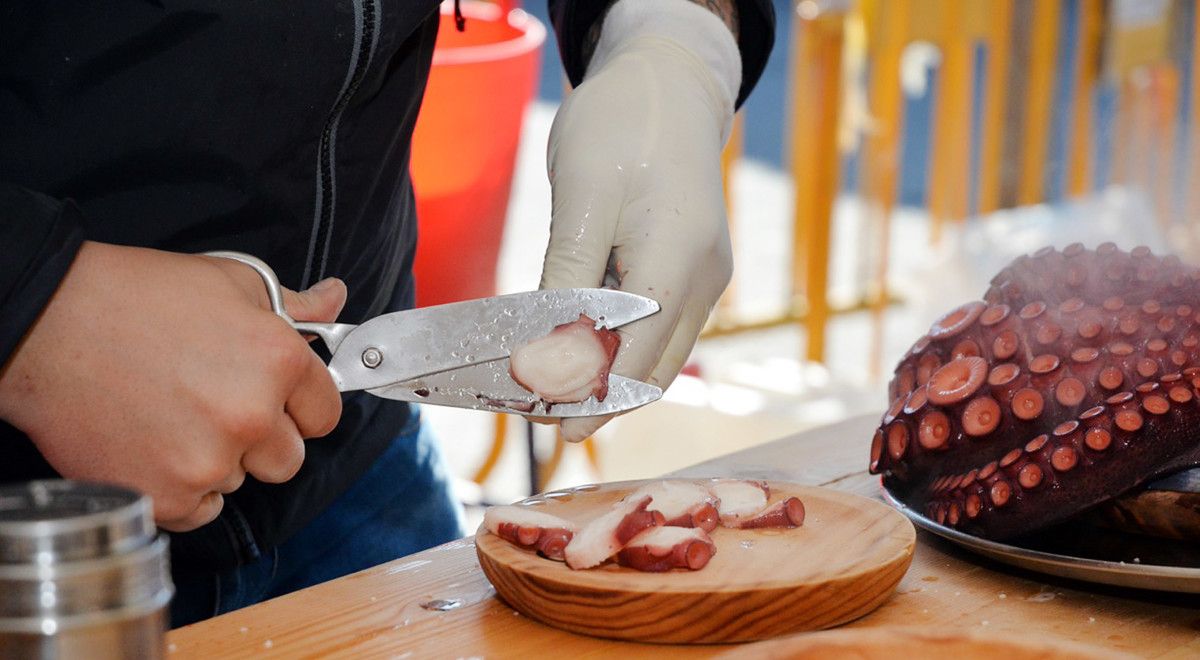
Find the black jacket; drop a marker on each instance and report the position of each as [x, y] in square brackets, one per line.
[281, 129]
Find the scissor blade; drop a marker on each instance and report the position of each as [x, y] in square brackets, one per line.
[413, 343]
[489, 387]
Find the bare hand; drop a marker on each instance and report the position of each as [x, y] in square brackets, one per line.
[168, 373]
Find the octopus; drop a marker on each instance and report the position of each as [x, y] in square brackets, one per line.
[660, 549]
[684, 504]
[661, 526]
[569, 364]
[605, 536]
[1074, 381]
[744, 506]
[533, 530]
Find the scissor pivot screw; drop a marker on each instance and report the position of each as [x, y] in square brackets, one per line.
[372, 357]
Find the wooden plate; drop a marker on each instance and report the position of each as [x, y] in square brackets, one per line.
[890, 643]
[841, 564]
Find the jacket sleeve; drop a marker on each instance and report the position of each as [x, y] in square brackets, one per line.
[39, 237]
[756, 36]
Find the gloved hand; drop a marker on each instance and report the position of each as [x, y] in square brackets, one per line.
[634, 165]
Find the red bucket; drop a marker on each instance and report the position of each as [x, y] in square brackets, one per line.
[465, 144]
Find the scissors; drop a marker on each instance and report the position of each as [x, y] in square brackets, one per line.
[457, 354]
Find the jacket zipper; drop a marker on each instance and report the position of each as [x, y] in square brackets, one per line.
[318, 249]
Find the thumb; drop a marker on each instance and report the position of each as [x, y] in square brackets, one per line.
[322, 302]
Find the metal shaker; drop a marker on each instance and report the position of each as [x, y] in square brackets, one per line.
[83, 573]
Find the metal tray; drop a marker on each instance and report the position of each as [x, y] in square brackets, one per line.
[1082, 552]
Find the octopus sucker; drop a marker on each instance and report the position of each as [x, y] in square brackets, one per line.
[955, 321]
[604, 536]
[661, 526]
[663, 548]
[533, 530]
[682, 504]
[784, 513]
[743, 500]
[1074, 379]
[934, 430]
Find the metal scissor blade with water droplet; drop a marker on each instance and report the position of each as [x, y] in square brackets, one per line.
[461, 341]
[405, 345]
[489, 386]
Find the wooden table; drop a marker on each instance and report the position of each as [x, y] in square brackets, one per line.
[378, 612]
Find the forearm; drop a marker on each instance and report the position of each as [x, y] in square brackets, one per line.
[726, 10]
[40, 236]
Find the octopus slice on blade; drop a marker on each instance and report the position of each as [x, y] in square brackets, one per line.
[570, 364]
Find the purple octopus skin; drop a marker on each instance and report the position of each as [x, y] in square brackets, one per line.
[1076, 379]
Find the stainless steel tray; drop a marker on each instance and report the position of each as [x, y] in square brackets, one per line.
[1124, 560]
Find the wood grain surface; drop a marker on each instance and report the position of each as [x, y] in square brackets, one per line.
[890, 643]
[378, 613]
[842, 563]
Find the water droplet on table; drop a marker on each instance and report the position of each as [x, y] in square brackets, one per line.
[442, 604]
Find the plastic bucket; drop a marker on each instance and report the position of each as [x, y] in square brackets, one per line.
[465, 144]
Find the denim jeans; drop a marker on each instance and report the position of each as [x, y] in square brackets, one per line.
[402, 505]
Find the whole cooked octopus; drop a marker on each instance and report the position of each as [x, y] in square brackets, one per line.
[1074, 381]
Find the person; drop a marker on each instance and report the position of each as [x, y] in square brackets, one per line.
[139, 134]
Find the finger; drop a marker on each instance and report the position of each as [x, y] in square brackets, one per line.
[674, 356]
[322, 302]
[584, 214]
[640, 350]
[643, 341]
[233, 481]
[206, 511]
[278, 458]
[315, 404]
[655, 348]
[680, 345]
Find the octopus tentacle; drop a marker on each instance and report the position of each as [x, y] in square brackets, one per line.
[661, 549]
[1015, 403]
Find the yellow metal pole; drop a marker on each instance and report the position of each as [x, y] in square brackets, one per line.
[948, 177]
[729, 156]
[1166, 94]
[887, 35]
[1192, 209]
[1043, 38]
[1087, 70]
[500, 432]
[593, 454]
[991, 147]
[816, 102]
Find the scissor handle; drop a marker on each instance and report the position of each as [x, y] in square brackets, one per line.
[331, 333]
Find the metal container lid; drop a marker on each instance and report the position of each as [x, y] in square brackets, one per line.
[51, 522]
[50, 598]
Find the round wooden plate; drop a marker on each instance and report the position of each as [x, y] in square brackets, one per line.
[889, 643]
[841, 564]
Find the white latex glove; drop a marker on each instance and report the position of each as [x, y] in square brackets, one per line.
[634, 165]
